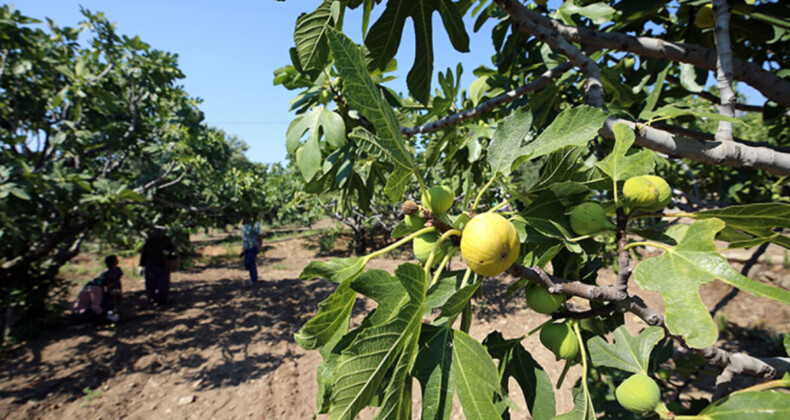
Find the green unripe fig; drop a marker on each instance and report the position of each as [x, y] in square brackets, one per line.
[560, 339]
[646, 193]
[541, 301]
[638, 394]
[589, 218]
[704, 17]
[438, 199]
[489, 244]
[413, 221]
[423, 245]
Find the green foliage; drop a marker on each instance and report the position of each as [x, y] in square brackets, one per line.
[534, 157]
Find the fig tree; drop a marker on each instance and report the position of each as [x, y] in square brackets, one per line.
[438, 199]
[423, 245]
[589, 218]
[646, 193]
[541, 301]
[560, 339]
[489, 244]
[638, 394]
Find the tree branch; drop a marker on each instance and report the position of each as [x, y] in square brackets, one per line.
[716, 153]
[624, 258]
[769, 84]
[724, 68]
[490, 104]
[761, 367]
[716, 100]
[543, 32]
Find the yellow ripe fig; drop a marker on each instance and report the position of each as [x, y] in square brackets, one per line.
[589, 218]
[560, 339]
[541, 301]
[423, 245]
[438, 199]
[646, 193]
[489, 244]
[638, 394]
[704, 17]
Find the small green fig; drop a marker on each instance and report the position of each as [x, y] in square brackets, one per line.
[560, 339]
[646, 193]
[704, 18]
[438, 199]
[589, 218]
[541, 301]
[423, 245]
[638, 394]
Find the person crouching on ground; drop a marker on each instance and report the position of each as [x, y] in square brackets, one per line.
[251, 243]
[99, 299]
[157, 249]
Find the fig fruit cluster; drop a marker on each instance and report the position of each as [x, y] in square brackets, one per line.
[647, 193]
[589, 218]
[489, 244]
[560, 339]
[541, 301]
[638, 394]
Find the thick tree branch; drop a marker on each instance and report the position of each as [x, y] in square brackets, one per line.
[490, 104]
[724, 68]
[738, 362]
[674, 129]
[769, 84]
[545, 33]
[715, 153]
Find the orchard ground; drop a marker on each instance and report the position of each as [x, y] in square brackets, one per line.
[225, 350]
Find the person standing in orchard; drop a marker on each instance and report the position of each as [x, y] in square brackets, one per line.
[251, 238]
[153, 260]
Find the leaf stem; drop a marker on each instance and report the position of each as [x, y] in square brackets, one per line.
[502, 204]
[429, 263]
[439, 271]
[643, 243]
[483, 191]
[399, 243]
[466, 314]
[584, 364]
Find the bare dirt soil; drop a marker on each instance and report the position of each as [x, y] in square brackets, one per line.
[224, 350]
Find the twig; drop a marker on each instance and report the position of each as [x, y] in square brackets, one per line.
[545, 32]
[724, 68]
[490, 104]
[716, 100]
[744, 271]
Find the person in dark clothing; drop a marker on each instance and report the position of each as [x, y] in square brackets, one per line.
[111, 285]
[99, 300]
[157, 249]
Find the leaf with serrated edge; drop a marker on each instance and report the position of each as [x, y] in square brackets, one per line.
[679, 273]
[763, 405]
[572, 127]
[516, 362]
[628, 353]
[433, 368]
[507, 138]
[750, 216]
[363, 96]
[476, 378]
[332, 313]
[335, 270]
[310, 36]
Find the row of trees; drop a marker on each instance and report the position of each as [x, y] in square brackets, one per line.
[99, 140]
[576, 100]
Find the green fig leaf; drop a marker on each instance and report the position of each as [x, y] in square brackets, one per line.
[628, 353]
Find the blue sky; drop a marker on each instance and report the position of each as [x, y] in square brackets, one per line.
[229, 49]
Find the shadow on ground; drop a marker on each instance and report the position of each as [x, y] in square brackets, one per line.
[182, 338]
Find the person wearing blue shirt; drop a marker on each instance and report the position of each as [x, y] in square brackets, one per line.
[251, 243]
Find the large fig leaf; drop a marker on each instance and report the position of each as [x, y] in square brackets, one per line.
[433, 369]
[507, 138]
[572, 127]
[310, 36]
[619, 166]
[475, 376]
[363, 96]
[679, 273]
[582, 407]
[628, 353]
[516, 362]
[384, 38]
[764, 405]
